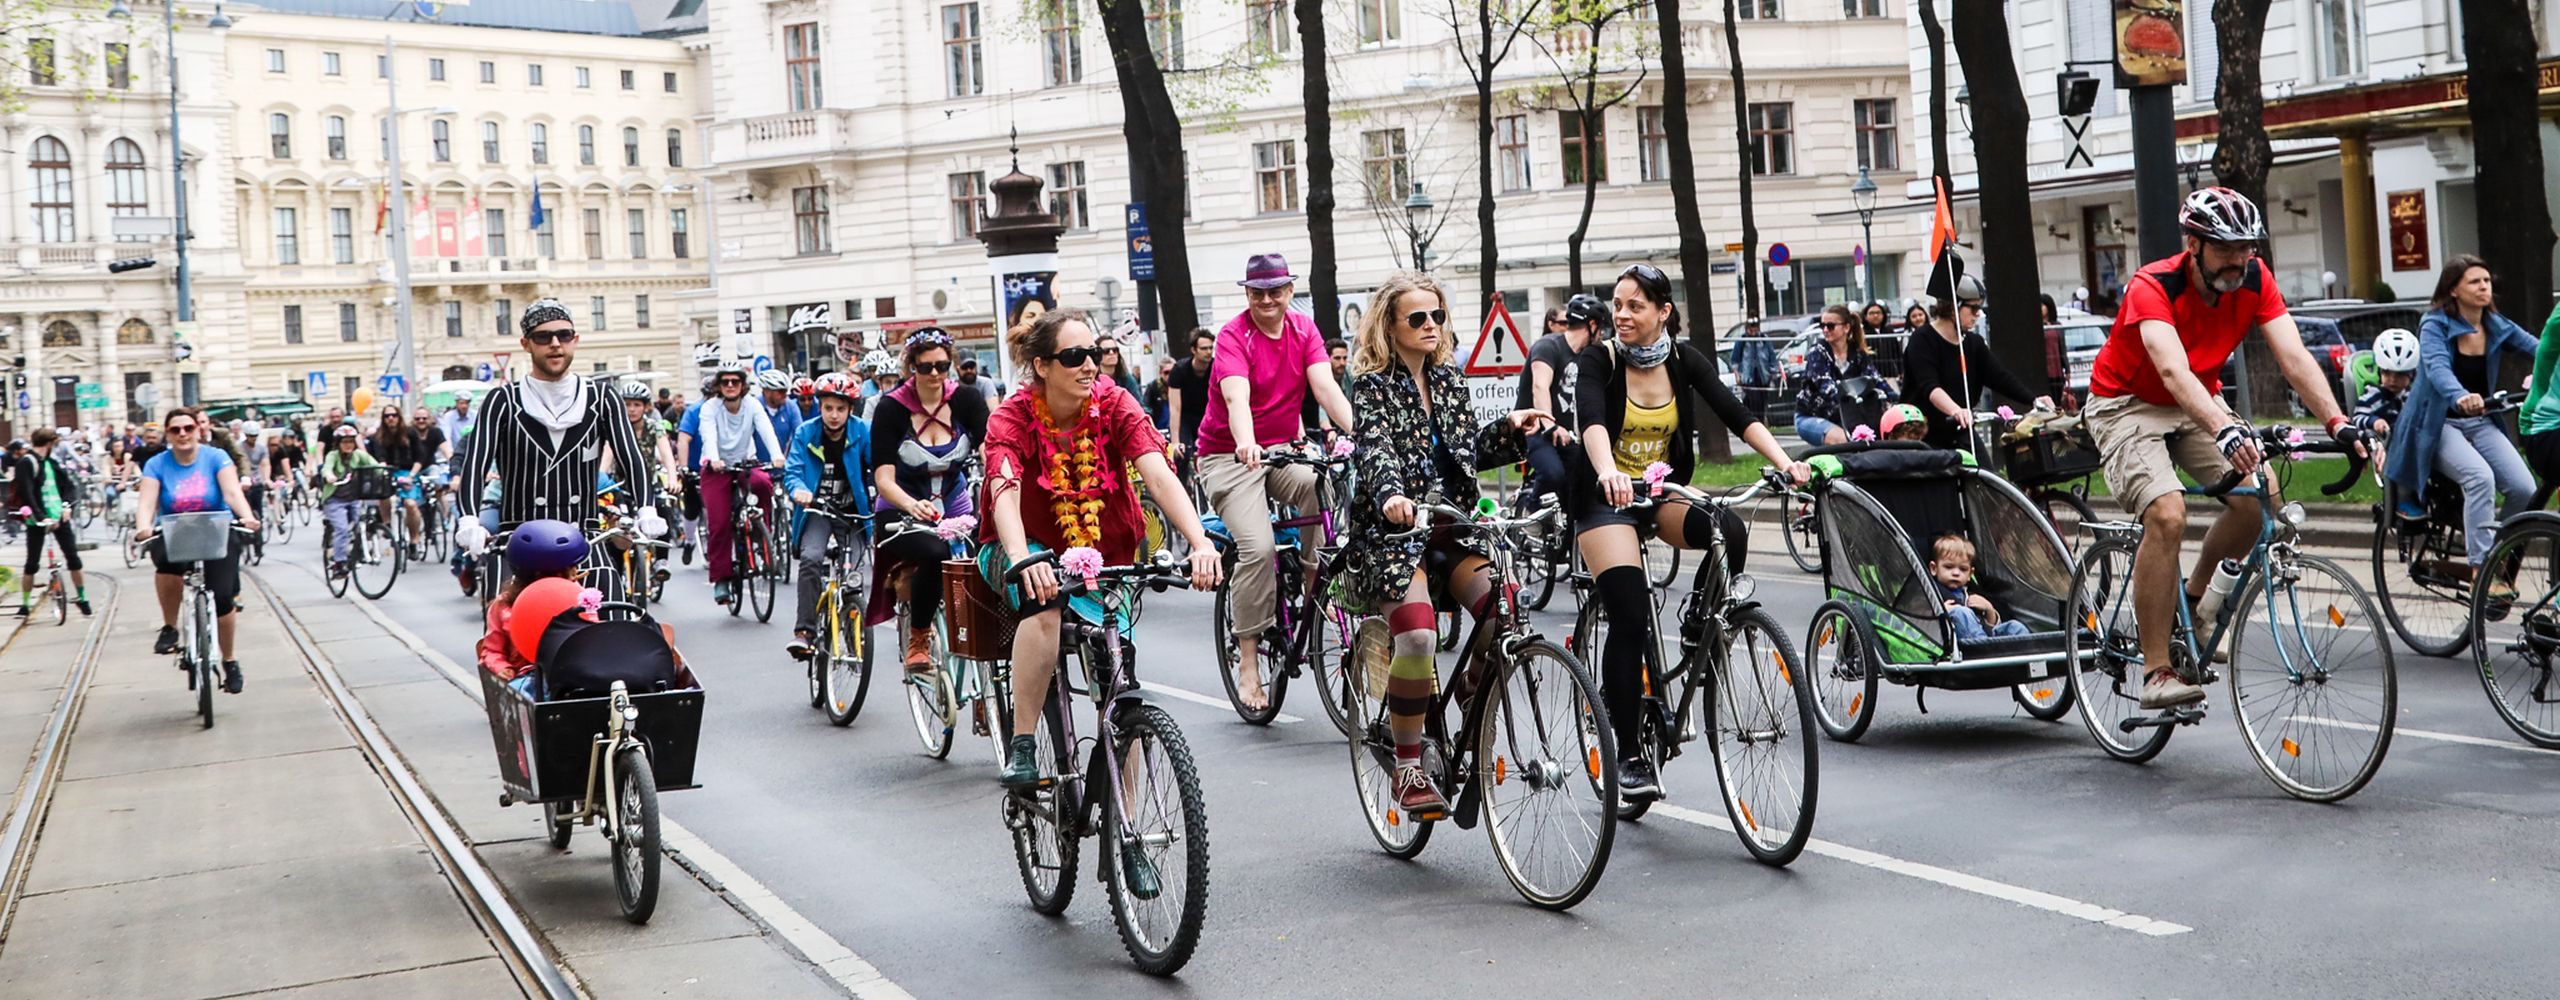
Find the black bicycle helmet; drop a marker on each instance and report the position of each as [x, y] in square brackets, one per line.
[2222, 215]
[1584, 310]
[544, 548]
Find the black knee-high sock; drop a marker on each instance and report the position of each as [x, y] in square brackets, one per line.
[1628, 602]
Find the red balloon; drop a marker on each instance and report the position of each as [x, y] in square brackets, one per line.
[541, 601]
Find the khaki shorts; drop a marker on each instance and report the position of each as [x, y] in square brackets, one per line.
[2140, 462]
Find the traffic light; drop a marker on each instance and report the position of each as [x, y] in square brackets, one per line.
[2077, 91]
[18, 382]
[129, 264]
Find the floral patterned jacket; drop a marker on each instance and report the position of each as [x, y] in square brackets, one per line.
[1395, 459]
[1821, 371]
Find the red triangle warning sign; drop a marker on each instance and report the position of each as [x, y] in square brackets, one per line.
[1499, 349]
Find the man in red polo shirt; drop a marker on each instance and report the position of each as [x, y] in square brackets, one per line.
[2160, 374]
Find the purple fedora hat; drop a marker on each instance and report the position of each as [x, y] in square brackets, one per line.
[1267, 270]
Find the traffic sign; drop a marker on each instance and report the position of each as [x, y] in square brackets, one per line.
[484, 371]
[1724, 267]
[764, 363]
[1778, 255]
[1491, 396]
[1499, 330]
[393, 385]
[147, 394]
[316, 383]
[25, 401]
[1781, 277]
[1142, 247]
[1858, 254]
[1733, 248]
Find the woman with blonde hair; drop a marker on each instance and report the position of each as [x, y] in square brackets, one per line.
[1418, 437]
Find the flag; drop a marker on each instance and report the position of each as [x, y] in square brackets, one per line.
[538, 217]
[422, 229]
[1946, 265]
[381, 209]
[474, 242]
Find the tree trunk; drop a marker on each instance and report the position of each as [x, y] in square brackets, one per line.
[2506, 143]
[1591, 165]
[2241, 153]
[2000, 161]
[1488, 260]
[1697, 275]
[1153, 131]
[1742, 144]
[1935, 32]
[1319, 101]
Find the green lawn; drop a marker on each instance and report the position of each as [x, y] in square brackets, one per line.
[2300, 480]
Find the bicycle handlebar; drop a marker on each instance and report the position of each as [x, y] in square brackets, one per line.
[2276, 443]
[1159, 576]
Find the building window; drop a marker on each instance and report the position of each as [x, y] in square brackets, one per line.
[452, 319]
[329, 65]
[541, 142]
[640, 311]
[119, 66]
[1164, 32]
[342, 235]
[533, 74]
[1511, 152]
[669, 81]
[592, 231]
[800, 65]
[134, 331]
[1862, 8]
[1383, 169]
[630, 80]
[1066, 194]
[60, 333]
[1756, 10]
[382, 67]
[595, 312]
[1380, 21]
[504, 311]
[40, 71]
[1061, 43]
[128, 186]
[1879, 144]
[678, 234]
[435, 70]
[586, 145]
[630, 146]
[584, 82]
[1275, 176]
[809, 220]
[488, 142]
[1773, 139]
[675, 147]
[2337, 37]
[1577, 159]
[292, 325]
[280, 136]
[49, 163]
[964, 68]
[488, 71]
[1653, 148]
[335, 129]
[494, 226]
[346, 322]
[1267, 24]
[968, 203]
[639, 220]
[288, 237]
[440, 134]
[545, 235]
[275, 60]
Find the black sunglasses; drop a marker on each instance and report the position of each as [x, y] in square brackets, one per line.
[1077, 357]
[1833, 324]
[1438, 317]
[1646, 273]
[182, 428]
[547, 337]
[931, 367]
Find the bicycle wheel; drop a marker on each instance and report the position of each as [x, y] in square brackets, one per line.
[1373, 748]
[2046, 700]
[1275, 682]
[1538, 565]
[1841, 662]
[253, 550]
[1760, 711]
[1155, 842]
[283, 523]
[848, 658]
[60, 593]
[1804, 535]
[1670, 571]
[1328, 657]
[1045, 821]
[377, 559]
[2414, 573]
[2103, 652]
[555, 821]
[132, 549]
[207, 655]
[2069, 515]
[759, 582]
[338, 581]
[930, 696]
[2318, 704]
[2516, 641]
[635, 837]
[1550, 784]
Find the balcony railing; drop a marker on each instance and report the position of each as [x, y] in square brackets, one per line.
[798, 134]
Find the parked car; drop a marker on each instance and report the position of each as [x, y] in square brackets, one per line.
[2071, 348]
[2357, 321]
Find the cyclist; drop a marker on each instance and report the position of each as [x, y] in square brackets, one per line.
[826, 466]
[456, 423]
[1421, 438]
[804, 398]
[2395, 363]
[1644, 398]
[2155, 406]
[1187, 392]
[1059, 484]
[395, 444]
[43, 489]
[286, 459]
[775, 384]
[1269, 358]
[552, 431]
[1946, 366]
[732, 431]
[1551, 364]
[1839, 355]
[190, 478]
[657, 456]
[2441, 432]
[922, 434]
[339, 465]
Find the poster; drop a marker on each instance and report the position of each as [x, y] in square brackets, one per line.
[448, 233]
[2151, 43]
[1027, 294]
[2408, 212]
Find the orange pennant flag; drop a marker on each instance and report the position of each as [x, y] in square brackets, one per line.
[1942, 228]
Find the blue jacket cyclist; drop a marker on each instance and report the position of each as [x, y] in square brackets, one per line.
[826, 462]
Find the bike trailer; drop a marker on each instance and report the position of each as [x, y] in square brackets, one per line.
[546, 749]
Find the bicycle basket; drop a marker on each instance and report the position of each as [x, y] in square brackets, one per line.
[373, 482]
[186, 538]
[981, 623]
[2047, 457]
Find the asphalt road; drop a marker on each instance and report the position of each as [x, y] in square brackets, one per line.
[1968, 852]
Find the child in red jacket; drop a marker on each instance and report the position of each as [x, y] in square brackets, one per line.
[542, 561]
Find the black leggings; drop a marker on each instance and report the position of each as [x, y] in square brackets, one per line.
[222, 576]
[61, 534]
[2542, 452]
[1628, 601]
[922, 553]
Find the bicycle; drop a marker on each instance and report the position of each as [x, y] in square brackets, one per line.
[374, 558]
[1542, 555]
[1737, 679]
[751, 561]
[622, 560]
[1297, 637]
[840, 666]
[1139, 775]
[2515, 639]
[56, 591]
[199, 641]
[2422, 570]
[2289, 706]
[1531, 731]
[936, 699]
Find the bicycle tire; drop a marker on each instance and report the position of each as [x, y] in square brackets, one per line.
[1568, 756]
[208, 653]
[1841, 664]
[2314, 707]
[1756, 721]
[1670, 571]
[555, 822]
[132, 549]
[2046, 700]
[931, 699]
[1275, 682]
[61, 593]
[2070, 516]
[2428, 610]
[1538, 565]
[847, 659]
[2103, 652]
[1804, 535]
[1331, 663]
[1048, 877]
[284, 524]
[1373, 765]
[339, 581]
[759, 585]
[635, 839]
[2515, 642]
[1158, 942]
[378, 560]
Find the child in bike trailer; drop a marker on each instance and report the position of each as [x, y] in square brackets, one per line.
[1904, 422]
[543, 557]
[1969, 615]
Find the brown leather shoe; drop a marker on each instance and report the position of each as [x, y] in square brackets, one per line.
[919, 650]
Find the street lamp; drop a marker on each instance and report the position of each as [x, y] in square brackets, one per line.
[1964, 107]
[1862, 192]
[1417, 214]
[398, 193]
[118, 10]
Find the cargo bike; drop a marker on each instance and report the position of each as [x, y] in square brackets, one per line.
[621, 724]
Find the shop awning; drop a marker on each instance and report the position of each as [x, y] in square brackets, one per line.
[2420, 103]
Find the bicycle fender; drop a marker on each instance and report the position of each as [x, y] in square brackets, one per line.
[2539, 520]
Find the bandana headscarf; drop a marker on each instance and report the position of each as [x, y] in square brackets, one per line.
[543, 311]
[1648, 356]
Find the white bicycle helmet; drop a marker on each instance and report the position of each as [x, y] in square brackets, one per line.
[879, 362]
[730, 367]
[774, 379]
[2222, 215]
[2396, 351]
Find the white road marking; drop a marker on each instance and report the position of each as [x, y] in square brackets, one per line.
[2427, 734]
[1952, 879]
[821, 949]
[1202, 699]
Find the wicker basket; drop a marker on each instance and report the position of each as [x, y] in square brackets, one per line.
[981, 623]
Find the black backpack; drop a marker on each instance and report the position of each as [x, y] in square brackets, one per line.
[582, 659]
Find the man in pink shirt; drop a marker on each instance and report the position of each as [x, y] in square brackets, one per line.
[1268, 360]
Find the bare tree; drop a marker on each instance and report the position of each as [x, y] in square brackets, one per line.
[2000, 165]
[1495, 34]
[1742, 141]
[2241, 153]
[1576, 42]
[1153, 132]
[1934, 32]
[1696, 272]
[2506, 142]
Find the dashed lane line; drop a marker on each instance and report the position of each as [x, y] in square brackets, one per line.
[2429, 734]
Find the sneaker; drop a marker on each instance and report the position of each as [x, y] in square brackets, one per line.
[1022, 762]
[920, 651]
[1636, 781]
[721, 592]
[83, 603]
[470, 583]
[231, 676]
[2411, 510]
[23, 610]
[2165, 689]
[167, 643]
[802, 644]
[1139, 872]
[1415, 794]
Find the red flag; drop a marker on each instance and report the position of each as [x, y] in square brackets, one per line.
[1942, 228]
[381, 209]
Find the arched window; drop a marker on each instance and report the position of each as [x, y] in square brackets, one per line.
[452, 372]
[630, 147]
[541, 143]
[586, 145]
[128, 188]
[60, 333]
[134, 331]
[442, 132]
[49, 162]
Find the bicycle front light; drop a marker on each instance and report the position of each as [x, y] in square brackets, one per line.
[1742, 587]
[2293, 515]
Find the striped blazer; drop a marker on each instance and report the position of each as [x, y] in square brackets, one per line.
[537, 479]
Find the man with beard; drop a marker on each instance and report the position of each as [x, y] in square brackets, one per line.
[550, 431]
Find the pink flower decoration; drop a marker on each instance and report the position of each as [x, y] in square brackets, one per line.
[1342, 447]
[1082, 561]
[952, 528]
[2294, 438]
[1657, 472]
[2008, 414]
[1863, 433]
[590, 600]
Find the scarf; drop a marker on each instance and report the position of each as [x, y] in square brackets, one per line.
[557, 406]
[1648, 356]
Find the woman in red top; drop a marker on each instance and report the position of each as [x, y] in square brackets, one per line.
[1055, 456]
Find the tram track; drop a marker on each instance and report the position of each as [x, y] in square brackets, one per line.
[44, 768]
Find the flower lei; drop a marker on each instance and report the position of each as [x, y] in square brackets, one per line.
[1076, 476]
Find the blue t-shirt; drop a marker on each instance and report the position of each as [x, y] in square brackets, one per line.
[189, 489]
[691, 427]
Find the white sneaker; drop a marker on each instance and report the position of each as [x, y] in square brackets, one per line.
[2164, 689]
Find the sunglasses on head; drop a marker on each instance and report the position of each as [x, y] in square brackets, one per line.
[930, 367]
[548, 337]
[1438, 317]
[1076, 357]
[1646, 273]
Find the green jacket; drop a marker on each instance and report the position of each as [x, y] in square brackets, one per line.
[335, 468]
[2541, 405]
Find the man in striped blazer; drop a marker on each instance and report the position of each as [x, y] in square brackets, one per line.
[547, 436]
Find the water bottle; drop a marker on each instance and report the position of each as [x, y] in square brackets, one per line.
[2226, 577]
